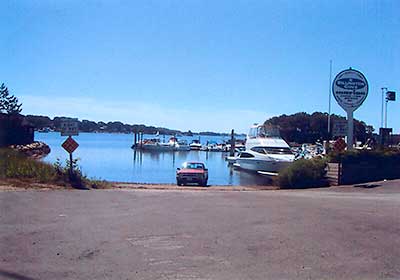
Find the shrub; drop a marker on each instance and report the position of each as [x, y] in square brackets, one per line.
[76, 178]
[303, 173]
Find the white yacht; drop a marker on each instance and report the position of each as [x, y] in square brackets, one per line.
[195, 145]
[182, 145]
[155, 144]
[266, 152]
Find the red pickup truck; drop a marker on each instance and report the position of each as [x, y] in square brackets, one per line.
[192, 172]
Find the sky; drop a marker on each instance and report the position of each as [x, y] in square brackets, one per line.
[196, 64]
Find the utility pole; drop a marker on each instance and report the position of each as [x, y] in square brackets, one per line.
[386, 102]
[383, 100]
[330, 89]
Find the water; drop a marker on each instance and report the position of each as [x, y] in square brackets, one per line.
[110, 157]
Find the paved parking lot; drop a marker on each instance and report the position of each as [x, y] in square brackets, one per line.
[335, 233]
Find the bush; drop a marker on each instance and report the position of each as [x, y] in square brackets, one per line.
[303, 173]
[76, 178]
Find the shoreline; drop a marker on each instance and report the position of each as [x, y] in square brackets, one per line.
[35, 150]
[31, 185]
[18, 184]
[120, 185]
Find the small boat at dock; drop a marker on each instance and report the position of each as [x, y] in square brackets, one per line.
[155, 144]
[195, 145]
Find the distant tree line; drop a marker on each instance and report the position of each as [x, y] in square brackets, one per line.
[40, 122]
[306, 128]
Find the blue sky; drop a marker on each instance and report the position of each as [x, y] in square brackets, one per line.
[199, 65]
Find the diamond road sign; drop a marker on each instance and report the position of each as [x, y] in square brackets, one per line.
[70, 145]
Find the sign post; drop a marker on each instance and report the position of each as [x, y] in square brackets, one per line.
[70, 146]
[70, 128]
[350, 89]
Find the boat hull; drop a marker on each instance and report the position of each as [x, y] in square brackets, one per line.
[195, 148]
[262, 165]
[152, 147]
[182, 148]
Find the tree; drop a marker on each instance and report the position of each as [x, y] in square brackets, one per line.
[3, 97]
[306, 128]
[8, 103]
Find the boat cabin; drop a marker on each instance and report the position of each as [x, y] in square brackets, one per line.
[257, 131]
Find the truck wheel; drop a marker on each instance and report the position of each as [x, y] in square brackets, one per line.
[179, 183]
[204, 183]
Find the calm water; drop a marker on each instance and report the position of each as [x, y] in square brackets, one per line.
[109, 157]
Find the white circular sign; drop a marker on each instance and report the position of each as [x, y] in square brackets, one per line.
[350, 89]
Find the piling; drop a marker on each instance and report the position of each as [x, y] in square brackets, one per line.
[232, 150]
[135, 140]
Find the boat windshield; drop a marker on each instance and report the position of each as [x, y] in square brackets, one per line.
[272, 150]
[264, 131]
[193, 165]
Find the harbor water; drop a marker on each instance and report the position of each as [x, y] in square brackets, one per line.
[109, 157]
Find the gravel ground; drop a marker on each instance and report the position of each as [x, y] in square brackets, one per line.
[334, 233]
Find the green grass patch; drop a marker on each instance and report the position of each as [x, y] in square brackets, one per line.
[14, 165]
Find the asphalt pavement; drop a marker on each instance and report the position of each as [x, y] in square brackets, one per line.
[334, 233]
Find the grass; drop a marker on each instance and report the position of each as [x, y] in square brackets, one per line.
[16, 166]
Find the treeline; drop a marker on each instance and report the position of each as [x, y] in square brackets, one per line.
[299, 127]
[42, 122]
[306, 128]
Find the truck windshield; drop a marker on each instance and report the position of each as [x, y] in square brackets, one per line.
[192, 165]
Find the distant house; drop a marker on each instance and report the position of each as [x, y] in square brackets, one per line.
[14, 130]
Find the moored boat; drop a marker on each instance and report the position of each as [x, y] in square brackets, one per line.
[265, 151]
[195, 145]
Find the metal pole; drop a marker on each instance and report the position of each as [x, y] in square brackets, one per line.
[350, 130]
[386, 113]
[383, 92]
[71, 170]
[330, 88]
